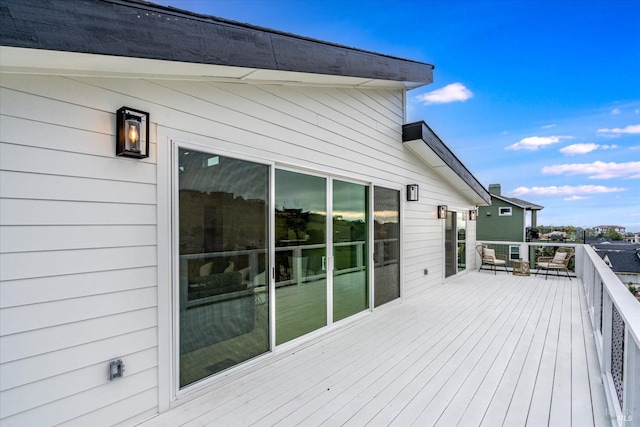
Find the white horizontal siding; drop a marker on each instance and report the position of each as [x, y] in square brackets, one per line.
[17, 156]
[27, 318]
[101, 397]
[93, 355]
[78, 259]
[79, 225]
[55, 288]
[25, 265]
[60, 237]
[57, 212]
[21, 185]
[40, 392]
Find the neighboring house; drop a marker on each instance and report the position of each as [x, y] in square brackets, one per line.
[506, 219]
[128, 285]
[604, 229]
[623, 258]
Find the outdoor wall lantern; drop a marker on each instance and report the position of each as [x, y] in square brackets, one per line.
[412, 193]
[442, 211]
[132, 133]
[473, 215]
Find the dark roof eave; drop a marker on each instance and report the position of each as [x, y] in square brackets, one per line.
[421, 131]
[519, 203]
[144, 30]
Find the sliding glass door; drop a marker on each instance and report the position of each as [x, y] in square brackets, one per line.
[455, 243]
[223, 240]
[225, 281]
[386, 245]
[350, 249]
[301, 254]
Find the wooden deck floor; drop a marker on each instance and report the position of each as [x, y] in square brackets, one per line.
[481, 350]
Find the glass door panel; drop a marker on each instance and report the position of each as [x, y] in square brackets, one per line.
[450, 259]
[350, 249]
[301, 253]
[386, 245]
[223, 211]
[461, 224]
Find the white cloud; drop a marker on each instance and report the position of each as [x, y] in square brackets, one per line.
[573, 149]
[548, 126]
[453, 92]
[615, 111]
[631, 129]
[574, 197]
[565, 190]
[533, 143]
[596, 170]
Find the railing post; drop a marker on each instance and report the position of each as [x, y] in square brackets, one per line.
[631, 407]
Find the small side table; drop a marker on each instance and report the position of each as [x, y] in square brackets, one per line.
[521, 268]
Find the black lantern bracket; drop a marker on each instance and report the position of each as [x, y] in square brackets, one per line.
[132, 133]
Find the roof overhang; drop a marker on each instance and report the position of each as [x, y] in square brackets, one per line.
[92, 37]
[518, 203]
[422, 141]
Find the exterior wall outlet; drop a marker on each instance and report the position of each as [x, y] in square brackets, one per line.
[116, 369]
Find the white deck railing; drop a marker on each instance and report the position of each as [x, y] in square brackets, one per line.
[615, 319]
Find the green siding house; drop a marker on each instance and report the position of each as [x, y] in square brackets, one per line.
[506, 219]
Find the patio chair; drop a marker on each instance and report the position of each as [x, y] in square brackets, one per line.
[489, 257]
[558, 262]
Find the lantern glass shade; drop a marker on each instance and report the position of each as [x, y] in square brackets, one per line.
[473, 215]
[132, 133]
[412, 193]
[442, 211]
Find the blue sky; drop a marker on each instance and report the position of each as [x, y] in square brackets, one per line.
[542, 97]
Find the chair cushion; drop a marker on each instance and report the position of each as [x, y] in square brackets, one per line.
[490, 253]
[559, 257]
[551, 265]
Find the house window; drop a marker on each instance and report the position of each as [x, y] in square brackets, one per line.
[504, 211]
[514, 252]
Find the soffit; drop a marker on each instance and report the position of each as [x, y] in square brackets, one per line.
[423, 142]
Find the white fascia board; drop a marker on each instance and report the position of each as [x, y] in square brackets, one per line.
[48, 62]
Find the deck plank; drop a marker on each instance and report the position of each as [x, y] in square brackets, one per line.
[482, 349]
[481, 352]
[540, 406]
[516, 385]
[406, 352]
[481, 381]
[560, 411]
[580, 388]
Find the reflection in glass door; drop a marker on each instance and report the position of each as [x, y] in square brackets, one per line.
[461, 225]
[450, 258]
[455, 241]
[350, 249]
[301, 254]
[223, 211]
[386, 245]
